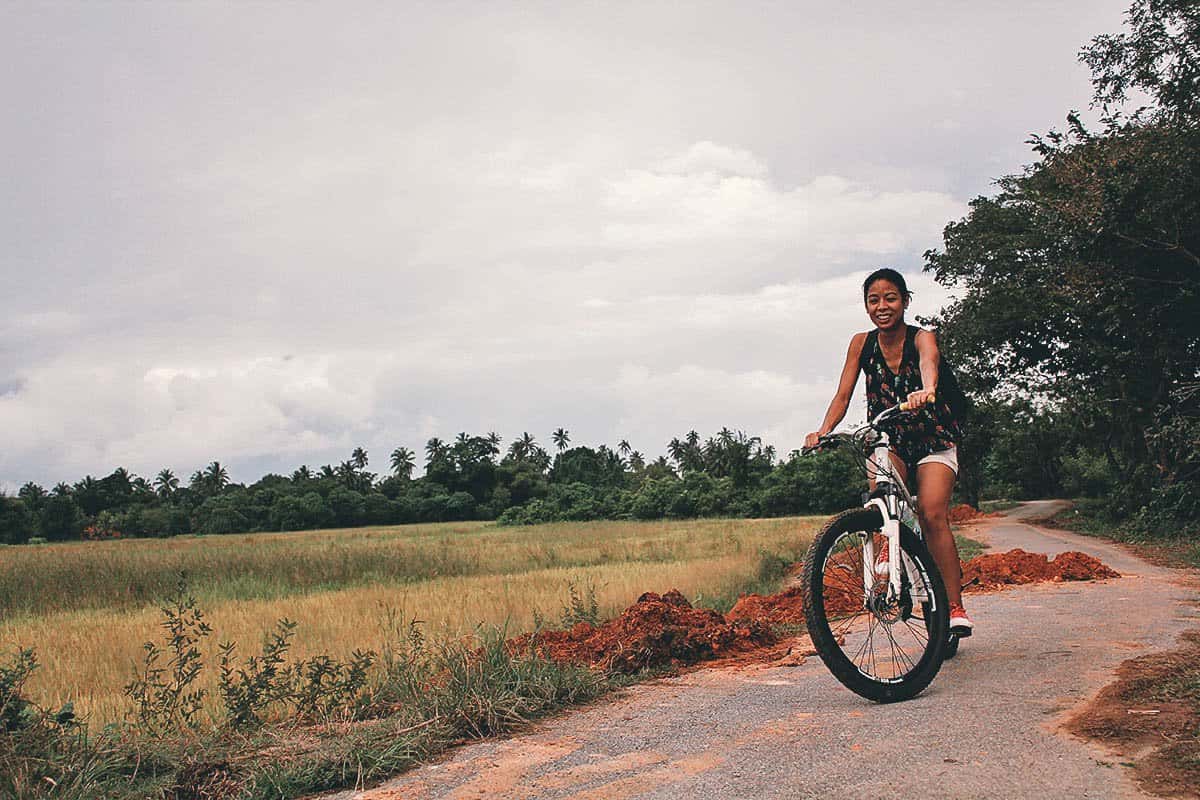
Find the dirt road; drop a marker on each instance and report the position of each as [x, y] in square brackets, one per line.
[987, 727]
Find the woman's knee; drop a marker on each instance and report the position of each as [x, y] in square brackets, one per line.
[933, 515]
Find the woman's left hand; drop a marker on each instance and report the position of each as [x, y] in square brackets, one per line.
[920, 397]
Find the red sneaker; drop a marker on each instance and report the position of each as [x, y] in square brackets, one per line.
[960, 623]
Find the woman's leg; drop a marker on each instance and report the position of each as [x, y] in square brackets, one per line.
[936, 482]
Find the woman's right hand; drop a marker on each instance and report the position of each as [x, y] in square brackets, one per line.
[812, 440]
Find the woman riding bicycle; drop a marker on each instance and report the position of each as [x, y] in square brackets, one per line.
[902, 364]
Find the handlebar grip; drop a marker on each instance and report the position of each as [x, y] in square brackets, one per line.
[905, 407]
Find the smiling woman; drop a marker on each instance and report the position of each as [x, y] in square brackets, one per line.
[902, 364]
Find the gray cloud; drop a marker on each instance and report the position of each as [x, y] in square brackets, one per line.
[265, 237]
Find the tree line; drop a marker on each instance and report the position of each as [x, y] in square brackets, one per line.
[471, 477]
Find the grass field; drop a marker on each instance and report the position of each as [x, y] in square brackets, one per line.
[87, 607]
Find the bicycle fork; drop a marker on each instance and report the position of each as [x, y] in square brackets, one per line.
[898, 562]
[891, 533]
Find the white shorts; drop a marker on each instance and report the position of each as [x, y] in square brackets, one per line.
[948, 457]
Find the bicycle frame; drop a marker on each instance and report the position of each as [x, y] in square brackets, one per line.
[892, 498]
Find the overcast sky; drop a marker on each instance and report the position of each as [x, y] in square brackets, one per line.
[266, 234]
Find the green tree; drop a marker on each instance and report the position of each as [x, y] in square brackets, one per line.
[166, 484]
[561, 438]
[33, 496]
[60, 518]
[17, 524]
[1159, 54]
[403, 462]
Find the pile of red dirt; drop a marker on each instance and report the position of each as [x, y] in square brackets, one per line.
[992, 571]
[662, 630]
[1015, 567]
[962, 513]
[657, 630]
[783, 608]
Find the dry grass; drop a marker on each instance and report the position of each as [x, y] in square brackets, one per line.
[497, 576]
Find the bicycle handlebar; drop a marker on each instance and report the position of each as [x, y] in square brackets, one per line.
[905, 407]
[902, 408]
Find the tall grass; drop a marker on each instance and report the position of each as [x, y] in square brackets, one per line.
[96, 602]
[76, 576]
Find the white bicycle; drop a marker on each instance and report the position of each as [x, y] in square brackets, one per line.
[875, 602]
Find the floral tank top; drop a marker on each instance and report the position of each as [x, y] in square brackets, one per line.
[933, 428]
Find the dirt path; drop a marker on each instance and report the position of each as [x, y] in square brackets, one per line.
[987, 727]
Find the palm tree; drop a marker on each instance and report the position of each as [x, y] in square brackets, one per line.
[166, 483]
[528, 443]
[88, 495]
[216, 476]
[624, 447]
[359, 458]
[403, 462]
[434, 448]
[637, 462]
[302, 474]
[561, 438]
[347, 473]
[61, 489]
[31, 493]
[327, 471]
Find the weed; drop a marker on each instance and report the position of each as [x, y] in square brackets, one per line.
[247, 691]
[581, 605]
[162, 695]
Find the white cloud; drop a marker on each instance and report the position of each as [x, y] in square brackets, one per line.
[271, 237]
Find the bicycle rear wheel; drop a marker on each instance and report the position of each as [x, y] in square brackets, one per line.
[884, 649]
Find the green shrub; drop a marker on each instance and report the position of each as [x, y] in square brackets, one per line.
[162, 694]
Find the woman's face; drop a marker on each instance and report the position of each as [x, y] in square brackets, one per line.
[885, 304]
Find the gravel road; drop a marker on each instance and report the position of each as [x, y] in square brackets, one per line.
[987, 727]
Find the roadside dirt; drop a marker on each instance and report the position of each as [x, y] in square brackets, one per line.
[963, 513]
[666, 631]
[1151, 717]
[657, 630]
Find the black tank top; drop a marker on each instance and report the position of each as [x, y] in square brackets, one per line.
[934, 428]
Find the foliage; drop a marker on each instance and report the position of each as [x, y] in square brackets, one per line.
[16, 521]
[1077, 281]
[581, 605]
[162, 695]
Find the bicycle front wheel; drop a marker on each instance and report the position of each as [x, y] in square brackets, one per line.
[881, 646]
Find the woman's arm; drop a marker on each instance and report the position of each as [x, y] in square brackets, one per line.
[930, 357]
[846, 384]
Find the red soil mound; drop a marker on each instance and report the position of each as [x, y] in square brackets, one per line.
[993, 571]
[660, 630]
[784, 608]
[964, 513]
[1019, 567]
[654, 631]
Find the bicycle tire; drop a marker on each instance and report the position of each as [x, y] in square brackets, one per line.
[829, 586]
